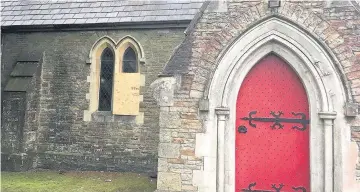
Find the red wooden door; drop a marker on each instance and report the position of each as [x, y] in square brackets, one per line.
[272, 130]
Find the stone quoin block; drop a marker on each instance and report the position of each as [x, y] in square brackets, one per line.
[169, 150]
[169, 181]
[169, 119]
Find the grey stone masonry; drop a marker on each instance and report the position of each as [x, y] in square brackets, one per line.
[54, 129]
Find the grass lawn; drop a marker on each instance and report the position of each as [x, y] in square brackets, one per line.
[89, 181]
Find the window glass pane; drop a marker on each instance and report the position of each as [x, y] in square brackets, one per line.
[129, 61]
[106, 80]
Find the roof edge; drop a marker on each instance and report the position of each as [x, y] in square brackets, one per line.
[96, 26]
[356, 5]
[196, 18]
[189, 29]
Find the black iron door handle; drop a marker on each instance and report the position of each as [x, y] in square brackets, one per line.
[242, 129]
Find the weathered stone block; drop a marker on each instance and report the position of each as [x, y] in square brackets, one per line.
[191, 124]
[169, 150]
[189, 188]
[204, 105]
[196, 94]
[178, 140]
[186, 177]
[169, 119]
[176, 161]
[165, 136]
[163, 91]
[351, 109]
[169, 181]
[187, 152]
[162, 165]
[355, 136]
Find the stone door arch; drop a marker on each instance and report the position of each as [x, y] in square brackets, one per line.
[330, 134]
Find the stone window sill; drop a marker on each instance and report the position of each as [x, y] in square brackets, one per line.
[107, 116]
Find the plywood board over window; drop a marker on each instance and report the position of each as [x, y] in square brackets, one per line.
[126, 94]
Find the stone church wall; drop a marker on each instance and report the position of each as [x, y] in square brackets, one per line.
[13, 124]
[58, 135]
[20, 115]
[183, 125]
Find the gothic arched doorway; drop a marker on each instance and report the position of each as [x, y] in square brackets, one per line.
[272, 130]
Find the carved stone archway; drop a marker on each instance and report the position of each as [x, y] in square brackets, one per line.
[330, 134]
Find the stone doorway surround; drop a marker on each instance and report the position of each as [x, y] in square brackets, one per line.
[329, 134]
[209, 151]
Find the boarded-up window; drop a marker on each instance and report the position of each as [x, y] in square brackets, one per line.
[127, 84]
[126, 95]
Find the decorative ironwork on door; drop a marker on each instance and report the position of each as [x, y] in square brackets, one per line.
[278, 120]
[275, 188]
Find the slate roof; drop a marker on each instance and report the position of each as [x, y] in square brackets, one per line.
[57, 12]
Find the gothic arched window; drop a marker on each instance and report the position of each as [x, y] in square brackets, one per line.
[106, 79]
[129, 64]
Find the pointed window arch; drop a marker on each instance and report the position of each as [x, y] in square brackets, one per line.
[130, 62]
[106, 80]
[115, 77]
[127, 79]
